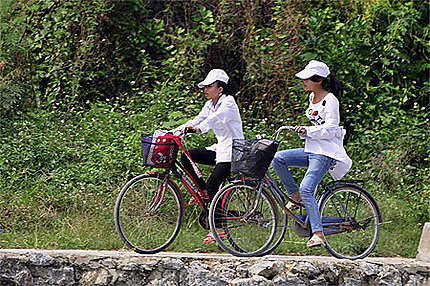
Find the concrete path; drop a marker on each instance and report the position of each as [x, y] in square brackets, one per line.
[218, 256]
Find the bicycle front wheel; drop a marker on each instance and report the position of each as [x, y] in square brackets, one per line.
[148, 213]
[242, 221]
[351, 220]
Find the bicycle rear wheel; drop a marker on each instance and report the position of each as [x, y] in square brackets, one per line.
[248, 220]
[148, 213]
[351, 219]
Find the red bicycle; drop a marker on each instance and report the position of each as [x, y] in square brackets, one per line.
[150, 208]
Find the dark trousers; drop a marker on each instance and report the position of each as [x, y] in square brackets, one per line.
[219, 174]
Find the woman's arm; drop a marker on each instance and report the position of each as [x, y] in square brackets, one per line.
[221, 116]
[203, 114]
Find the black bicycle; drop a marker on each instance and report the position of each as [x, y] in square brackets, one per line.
[251, 216]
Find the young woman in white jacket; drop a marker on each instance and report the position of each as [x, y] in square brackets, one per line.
[221, 114]
[323, 151]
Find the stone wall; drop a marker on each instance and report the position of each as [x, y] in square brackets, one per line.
[62, 267]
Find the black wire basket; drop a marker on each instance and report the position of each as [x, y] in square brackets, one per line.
[252, 157]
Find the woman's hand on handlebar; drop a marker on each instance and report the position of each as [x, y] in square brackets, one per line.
[300, 130]
[191, 129]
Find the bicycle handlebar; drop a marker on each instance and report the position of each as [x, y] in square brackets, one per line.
[180, 132]
[275, 135]
[280, 129]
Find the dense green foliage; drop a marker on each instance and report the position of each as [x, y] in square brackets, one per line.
[81, 80]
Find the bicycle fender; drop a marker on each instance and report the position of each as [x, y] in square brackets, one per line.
[337, 184]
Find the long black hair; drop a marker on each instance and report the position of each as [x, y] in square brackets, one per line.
[330, 83]
[229, 88]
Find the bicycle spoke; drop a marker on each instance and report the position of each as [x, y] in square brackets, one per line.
[333, 204]
[357, 206]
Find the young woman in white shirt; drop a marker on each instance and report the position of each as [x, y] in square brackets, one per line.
[323, 151]
[221, 114]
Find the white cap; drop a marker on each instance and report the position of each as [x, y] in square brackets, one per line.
[213, 76]
[314, 68]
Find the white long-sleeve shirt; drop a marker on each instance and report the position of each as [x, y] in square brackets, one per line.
[224, 119]
[326, 136]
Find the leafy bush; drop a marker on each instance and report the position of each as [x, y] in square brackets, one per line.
[11, 99]
[13, 93]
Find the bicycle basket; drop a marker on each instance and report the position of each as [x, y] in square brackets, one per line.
[159, 151]
[251, 158]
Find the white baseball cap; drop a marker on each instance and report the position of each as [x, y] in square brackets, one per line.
[213, 76]
[314, 68]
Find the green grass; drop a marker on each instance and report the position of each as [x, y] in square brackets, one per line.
[398, 238]
[95, 229]
[61, 174]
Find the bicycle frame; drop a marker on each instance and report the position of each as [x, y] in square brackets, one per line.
[189, 182]
[281, 199]
[185, 177]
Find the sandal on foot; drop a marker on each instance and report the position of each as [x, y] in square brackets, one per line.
[315, 241]
[210, 237]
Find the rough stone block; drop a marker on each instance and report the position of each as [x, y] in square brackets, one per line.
[75, 267]
[424, 246]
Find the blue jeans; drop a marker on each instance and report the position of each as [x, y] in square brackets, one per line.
[317, 165]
